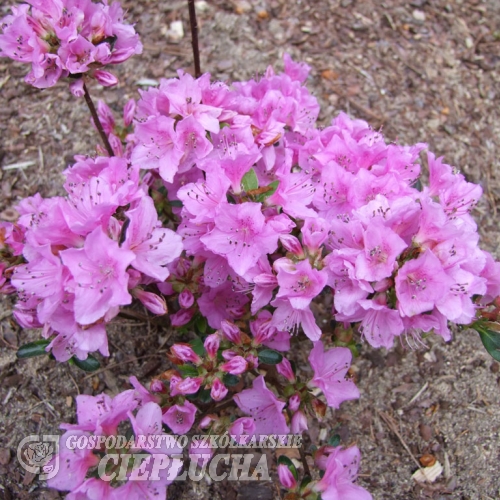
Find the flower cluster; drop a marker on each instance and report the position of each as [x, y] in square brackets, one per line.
[99, 418]
[63, 38]
[87, 254]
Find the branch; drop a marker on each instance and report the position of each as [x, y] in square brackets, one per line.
[194, 38]
[97, 122]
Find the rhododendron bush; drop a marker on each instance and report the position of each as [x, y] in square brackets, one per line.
[230, 204]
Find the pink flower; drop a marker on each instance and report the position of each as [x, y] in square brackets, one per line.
[341, 470]
[151, 301]
[265, 408]
[99, 271]
[180, 418]
[154, 247]
[382, 247]
[299, 282]
[211, 345]
[286, 317]
[241, 235]
[185, 353]
[298, 423]
[420, 284]
[330, 370]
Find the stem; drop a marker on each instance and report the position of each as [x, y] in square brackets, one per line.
[97, 122]
[194, 38]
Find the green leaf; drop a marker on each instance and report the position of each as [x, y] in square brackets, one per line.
[204, 396]
[33, 349]
[176, 203]
[88, 365]
[274, 186]
[197, 345]
[187, 370]
[334, 440]
[307, 480]
[284, 460]
[418, 185]
[230, 380]
[270, 357]
[250, 181]
[201, 324]
[490, 339]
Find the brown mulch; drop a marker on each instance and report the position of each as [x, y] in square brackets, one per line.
[422, 71]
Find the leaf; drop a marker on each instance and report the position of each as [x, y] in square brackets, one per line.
[270, 357]
[197, 345]
[334, 440]
[201, 324]
[284, 460]
[88, 365]
[418, 185]
[33, 349]
[490, 339]
[250, 181]
[176, 203]
[230, 380]
[187, 370]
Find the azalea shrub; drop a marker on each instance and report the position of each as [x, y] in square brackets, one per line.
[228, 208]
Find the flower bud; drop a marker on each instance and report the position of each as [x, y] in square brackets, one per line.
[157, 386]
[188, 385]
[207, 420]
[129, 112]
[186, 299]
[286, 477]
[218, 390]
[244, 426]
[185, 353]
[76, 88]
[292, 244]
[299, 423]
[105, 117]
[182, 317]
[294, 403]
[285, 368]
[211, 345]
[105, 78]
[314, 233]
[235, 366]
[151, 301]
[231, 331]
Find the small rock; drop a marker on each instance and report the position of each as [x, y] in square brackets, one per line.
[201, 6]
[418, 15]
[346, 3]
[425, 432]
[255, 492]
[4, 456]
[176, 31]
[242, 7]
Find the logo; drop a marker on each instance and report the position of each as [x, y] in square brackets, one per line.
[39, 455]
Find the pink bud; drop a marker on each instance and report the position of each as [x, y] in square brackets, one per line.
[228, 354]
[235, 366]
[292, 244]
[185, 353]
[151, 301]
[134, 278]
[231, 331]
[186, 299]
[105, 78]
[294, 403]
[106, 117]
[76, 88]
[314, 233]
[116, 145]
[299, 423]
[182, 317]
[189, 385]
[285, 368]
[244, 426]
[157, 386]
[206, 421]
[211, 345]
[286, 477]
[129, 112]
[252, 360]
[218, 391]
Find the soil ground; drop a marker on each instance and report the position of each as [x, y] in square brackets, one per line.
[423, 71]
